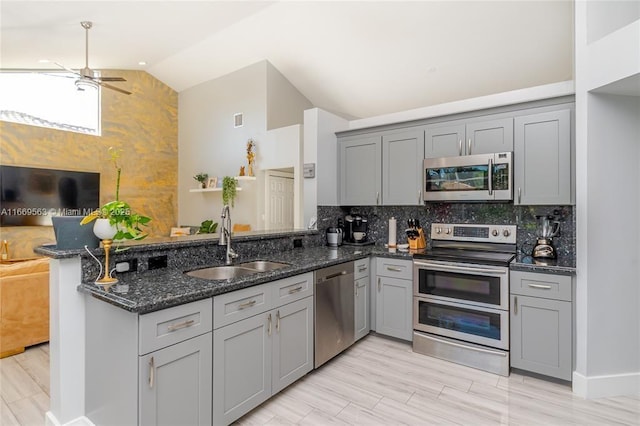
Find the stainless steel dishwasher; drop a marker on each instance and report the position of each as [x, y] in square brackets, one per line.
[333, 307]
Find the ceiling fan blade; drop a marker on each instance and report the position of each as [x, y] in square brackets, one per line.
[67, 69]
[109, 79]
[117, 89]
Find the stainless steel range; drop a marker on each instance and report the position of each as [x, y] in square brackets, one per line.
[461, 295]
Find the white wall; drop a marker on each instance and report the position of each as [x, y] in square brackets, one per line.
[320, 148]
[285, 104]
[605, 17]
[607, 213]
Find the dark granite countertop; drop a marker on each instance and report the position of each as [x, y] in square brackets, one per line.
[561, 266]
[159, 289]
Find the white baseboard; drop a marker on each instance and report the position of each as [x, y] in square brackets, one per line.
[51, 420]
[606, 386]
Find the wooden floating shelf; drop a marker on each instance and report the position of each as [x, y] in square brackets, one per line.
[211, 189]
[245, 178]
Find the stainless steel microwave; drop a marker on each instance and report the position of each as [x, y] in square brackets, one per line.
[480, 177]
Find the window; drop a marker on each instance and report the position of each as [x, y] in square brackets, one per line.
[49, 100]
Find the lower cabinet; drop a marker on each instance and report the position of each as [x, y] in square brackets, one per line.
[256, 357]
[175, 384]
[541, 324]
[394, 295]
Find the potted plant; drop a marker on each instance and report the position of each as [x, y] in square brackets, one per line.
[115, 220]
[229, 185]
[202, 179]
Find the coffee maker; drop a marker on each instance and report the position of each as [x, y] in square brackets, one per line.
[356, 230]
[546, 229]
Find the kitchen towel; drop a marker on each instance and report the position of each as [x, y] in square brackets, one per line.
[392, 232]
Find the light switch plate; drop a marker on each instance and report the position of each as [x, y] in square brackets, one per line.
[309, 170]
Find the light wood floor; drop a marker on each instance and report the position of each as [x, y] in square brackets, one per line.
[377, 382]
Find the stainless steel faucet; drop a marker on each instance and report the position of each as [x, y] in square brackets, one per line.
[225, 234]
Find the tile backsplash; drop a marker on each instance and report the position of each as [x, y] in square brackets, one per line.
[490, 213]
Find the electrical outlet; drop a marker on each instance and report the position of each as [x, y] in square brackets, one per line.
[129, 265]
[158, 262]
[297, 243]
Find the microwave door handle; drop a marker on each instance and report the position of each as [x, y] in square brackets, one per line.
[490, 176]
[456, 268]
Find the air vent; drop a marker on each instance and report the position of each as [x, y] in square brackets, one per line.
[237, 120]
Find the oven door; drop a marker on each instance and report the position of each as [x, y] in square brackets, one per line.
[484, 326]
[469, 178]
[480, 285]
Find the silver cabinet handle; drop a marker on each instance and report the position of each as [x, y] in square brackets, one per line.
[515, 305]
[356, 286]
[295, 290]
[519, 195]
[378, 285]
[541, 286]
[490, 178]
[152, 369]
[269, 325]
[419, 196]
[278, 321]
[393, 269]
[469, 147]
[460, 147]
[183, 324]
[362, 268]
[377, 198]
[248, 304]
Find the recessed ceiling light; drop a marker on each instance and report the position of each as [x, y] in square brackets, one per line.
[43, 61]
[142, 63]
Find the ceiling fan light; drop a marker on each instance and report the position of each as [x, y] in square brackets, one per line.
[83, 84]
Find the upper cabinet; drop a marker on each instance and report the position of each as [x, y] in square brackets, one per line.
[360, 170]
[382, 170]
[402, 155]
[542, 158]
[468, 137]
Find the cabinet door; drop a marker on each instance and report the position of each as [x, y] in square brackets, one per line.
[175, 384]
[444, 140]
[361, 288]
[542, 158]
[292, 343]
[489, 136]
[241, 367]
[394, 308]
[360, 171]
[541, 336]
[402, 160]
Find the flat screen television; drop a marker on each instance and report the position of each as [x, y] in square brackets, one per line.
[32, 196]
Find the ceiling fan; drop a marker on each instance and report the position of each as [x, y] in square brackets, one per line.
[87, 77]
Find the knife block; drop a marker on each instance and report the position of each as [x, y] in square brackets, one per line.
[418, 242]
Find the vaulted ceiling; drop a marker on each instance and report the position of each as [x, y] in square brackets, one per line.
[355, 58]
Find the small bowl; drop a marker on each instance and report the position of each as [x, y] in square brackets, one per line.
[359, 236]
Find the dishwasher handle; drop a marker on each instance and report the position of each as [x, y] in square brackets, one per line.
[335, 272]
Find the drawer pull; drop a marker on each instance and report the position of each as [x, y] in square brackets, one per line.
[393, 269]
[541, 286]
[152, 369]
[515, 305]
[183, 324]
[356, 289]
[378, 284]
[278, 321]
[362, 268]
[246, 305]
[295, 290]
[269, 325]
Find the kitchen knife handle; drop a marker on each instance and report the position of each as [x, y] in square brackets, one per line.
[515, 305]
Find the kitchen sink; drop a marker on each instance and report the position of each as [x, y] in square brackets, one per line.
[235, 271]
[263, 265]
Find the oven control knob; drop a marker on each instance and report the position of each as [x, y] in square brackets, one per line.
[506, 233]
[438, 230]
[447, 231]
[495, 233]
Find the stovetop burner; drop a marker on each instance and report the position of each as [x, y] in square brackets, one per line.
[471, 243]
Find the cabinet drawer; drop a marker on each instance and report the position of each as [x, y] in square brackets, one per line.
[172, 325]
[548, 286]
[361, 268]
[291, 289]
[394, 268]
[237, 305]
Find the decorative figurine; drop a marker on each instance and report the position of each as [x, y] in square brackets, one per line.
[250, 156]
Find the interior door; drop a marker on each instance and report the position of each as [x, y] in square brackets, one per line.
[280, 195]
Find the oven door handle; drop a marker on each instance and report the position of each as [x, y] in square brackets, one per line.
[452, 268]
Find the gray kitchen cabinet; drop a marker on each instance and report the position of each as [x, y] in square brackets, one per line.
[361, 300]
[148, 369]
[257, 356]
[484, 135]
[394, 292]
[402, 155]
[541, 324]
[542, 158]
[176, 384]
[360, 171]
